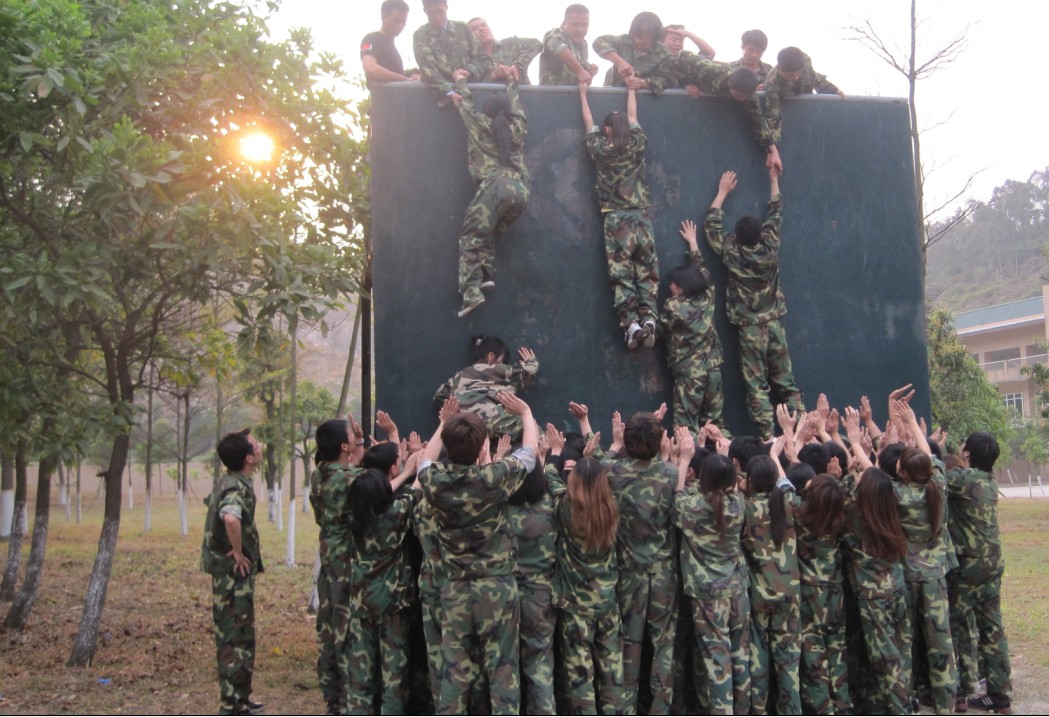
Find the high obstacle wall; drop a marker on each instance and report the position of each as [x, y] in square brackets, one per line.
[850, 260]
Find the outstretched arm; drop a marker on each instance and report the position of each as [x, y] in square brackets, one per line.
[631, 105]
[774, 181]
[725, 186]
[588, 118]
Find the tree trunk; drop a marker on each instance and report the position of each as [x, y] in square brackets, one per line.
[63, 485]
[18, 615]
[79, 504]
[18, 525]
[344, 392]
[95, 600]
[148, 526]
[130, 485]
[313, 604]
[7, 492]
[184, 450]
[289, 558]
[65, 474]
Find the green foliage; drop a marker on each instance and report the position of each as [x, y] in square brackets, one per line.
[963, 400]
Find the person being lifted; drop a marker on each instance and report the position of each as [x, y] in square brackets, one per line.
[443, 46]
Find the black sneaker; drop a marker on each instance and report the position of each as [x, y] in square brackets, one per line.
[991, 703]
[253, 708]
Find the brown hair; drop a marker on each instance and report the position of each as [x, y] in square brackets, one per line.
[916, 467]
[716, 476]
[642, 435]
[822, 511]
[595, 515]
[881, 530]
[463, 436]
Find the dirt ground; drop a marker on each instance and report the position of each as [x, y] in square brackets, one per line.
[156, 652]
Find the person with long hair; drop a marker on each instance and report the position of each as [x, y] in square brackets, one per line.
[715, 575]
[495, 144]
[770, 547]
[585, 582]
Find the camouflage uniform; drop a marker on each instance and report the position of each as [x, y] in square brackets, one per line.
[585, 593]
[776, 88]
[652, 64]
[476, 387]
[924, 572]
[502, 191]
[881, 593]
[479, 599]
[823, 671]
[442, 52]
[647, 586]
[535, 537]
[630, 244]
[329, 497]
[694, 354]
[552, 71]
[761, 74]
[715, 576]
[431, 580]
[233, 595]
[755, 304]
[712, 79]
[516, 51]
[775, 588]
[976, 583]
[382, 589]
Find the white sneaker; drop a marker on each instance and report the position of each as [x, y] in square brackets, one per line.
[648, 334]
[632, 333]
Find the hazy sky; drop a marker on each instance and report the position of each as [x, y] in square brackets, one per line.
[984, 115]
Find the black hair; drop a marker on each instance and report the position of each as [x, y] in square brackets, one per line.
[642, 436]
[391, 6]
[647, 23]
[743, 80]
[983, 450]
[743, 448]
[815, 455]
[716, 476]
[748, 230]
[234, 449]
[329, 438]
[483, 345]
[689, 279]
[370, 495]
[936, 450]
[889, 456]
[696, 462]
[756, 38]
[497, 108]
[790, 59]
[762, 476]
[618, 126]
[799, 475]
[382, 457]
[533, 488]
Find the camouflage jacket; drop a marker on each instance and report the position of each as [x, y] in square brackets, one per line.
[652, 65]
[777, 88]
[752, 294]
[689, 324]
[712, 79]
[233, 491]
[620, 177]
[712, 565]
[330, 499]
[585, 580]
[535, 539]
[972, 497]
[431, 572]
[381, 580]
[476, 387]
[774, 572]
[482, 149]
[818, 555]
[552, 70]
[518, 51]
[870, 577]
[926, 553]
[644, 492]
[442, 52]
[762, 74]
[469, 503]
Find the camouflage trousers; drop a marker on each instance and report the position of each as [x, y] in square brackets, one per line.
[765, 363]
[928, 611]
[976, 599]
[690, 674]
[698, 396]
[233, 608]
[481, 616]
[775, 646]
[648, 600]
[498, 202]
[538, 623]
[823, 673]
[886, 634]
[377, 640]
[432, 619]
[633, 267]
[592, 646]
[722, 629]
[331, 675]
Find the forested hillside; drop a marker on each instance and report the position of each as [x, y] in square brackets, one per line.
[995, 255]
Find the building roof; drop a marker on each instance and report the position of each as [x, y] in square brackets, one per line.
[1001, 314]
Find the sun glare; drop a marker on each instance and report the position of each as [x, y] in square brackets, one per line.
[257, 147]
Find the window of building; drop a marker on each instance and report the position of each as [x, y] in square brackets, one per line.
[1015, 400]
[1002, 355]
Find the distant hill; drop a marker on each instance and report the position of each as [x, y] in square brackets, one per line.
[996, 254]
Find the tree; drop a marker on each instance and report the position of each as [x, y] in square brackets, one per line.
[907, 63]
[125, 208]
[963, 400]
